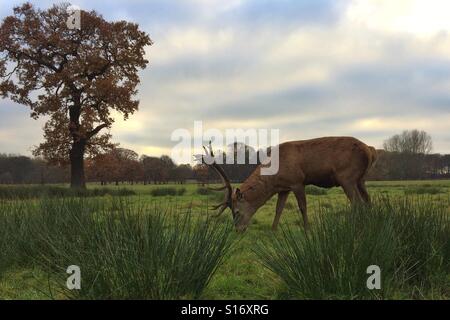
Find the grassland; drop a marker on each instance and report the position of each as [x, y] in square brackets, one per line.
[241, 273]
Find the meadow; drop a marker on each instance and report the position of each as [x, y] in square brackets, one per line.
[161, 242]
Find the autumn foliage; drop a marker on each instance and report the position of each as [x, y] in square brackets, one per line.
[75, 77]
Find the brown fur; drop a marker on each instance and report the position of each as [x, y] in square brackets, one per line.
[325, 162]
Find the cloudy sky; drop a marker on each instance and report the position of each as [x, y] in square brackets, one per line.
[310, 68]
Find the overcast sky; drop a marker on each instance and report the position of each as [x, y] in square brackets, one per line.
[313, 68]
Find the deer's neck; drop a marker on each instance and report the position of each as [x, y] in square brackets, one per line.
[257, 189]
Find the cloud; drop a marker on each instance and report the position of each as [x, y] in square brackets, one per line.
[416, 17]
[309, 68]
[18, 132]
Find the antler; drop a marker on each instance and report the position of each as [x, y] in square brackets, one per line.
[227, 185]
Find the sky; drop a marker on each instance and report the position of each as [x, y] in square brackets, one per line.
[310, 68]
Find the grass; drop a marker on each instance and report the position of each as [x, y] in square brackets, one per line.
[239, 275]
[33, 191]
[423, 190]
[124, 250]
[204, 191]
[167, 191]
[316, 191]
[407, 238]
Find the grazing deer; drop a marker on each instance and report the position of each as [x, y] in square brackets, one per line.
[324, 162]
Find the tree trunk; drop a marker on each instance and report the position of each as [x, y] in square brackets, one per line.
[77, 179]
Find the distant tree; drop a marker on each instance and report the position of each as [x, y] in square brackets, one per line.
[408, 154]
[167, 166]
[104, 168]
[117, 165]
[414, 141]
[201, 173]
[181, 173]
[6, 178]
[128, 164]
[244, 161]
[76, 77]
[152, 169]
[21, 169]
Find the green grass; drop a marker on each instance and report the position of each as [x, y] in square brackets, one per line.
[407, 238]
[240, 275]
[33, 191]
[125, 250]
[316, 191]
[423, 190]
[167, 191]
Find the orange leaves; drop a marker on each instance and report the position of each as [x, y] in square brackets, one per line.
[90, 72]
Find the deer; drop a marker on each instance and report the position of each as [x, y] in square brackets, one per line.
[324, 162]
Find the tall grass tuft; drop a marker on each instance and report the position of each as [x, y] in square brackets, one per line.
[407, 238]
[16, 239]
[125, 250]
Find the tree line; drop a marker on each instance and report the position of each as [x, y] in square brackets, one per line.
[119, 166]
[406, 156]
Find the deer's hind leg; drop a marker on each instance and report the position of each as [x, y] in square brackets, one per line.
[363, 191]
[282, 197]
[300, 195]
[352, 192]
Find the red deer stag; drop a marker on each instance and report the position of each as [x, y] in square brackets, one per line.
[324, 162]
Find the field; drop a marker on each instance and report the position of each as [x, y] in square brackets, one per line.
[253, 265]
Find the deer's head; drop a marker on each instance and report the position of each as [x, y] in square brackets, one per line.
[234, 199]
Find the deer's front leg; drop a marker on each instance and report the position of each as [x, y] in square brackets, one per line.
[282, 197]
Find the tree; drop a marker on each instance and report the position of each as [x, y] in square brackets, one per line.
[167, 167]
[181, 173]
[128, 165]
[414, 142]
[201, 173]
[6, 178]
[117, 165]
[408, 156]
[103, 167]
[21, 170]
[240, 152]
[152, 168]
[74, 76]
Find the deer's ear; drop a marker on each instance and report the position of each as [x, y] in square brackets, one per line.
[238, 194]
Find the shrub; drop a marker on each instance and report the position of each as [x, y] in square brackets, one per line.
[409, 239]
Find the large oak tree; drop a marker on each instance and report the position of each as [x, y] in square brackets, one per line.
[75, 77]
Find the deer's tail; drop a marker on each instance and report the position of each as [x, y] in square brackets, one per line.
[372, 157]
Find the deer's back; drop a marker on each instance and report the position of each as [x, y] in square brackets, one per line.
[323, 161]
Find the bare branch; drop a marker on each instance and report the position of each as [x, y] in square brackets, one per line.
[96, 130]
